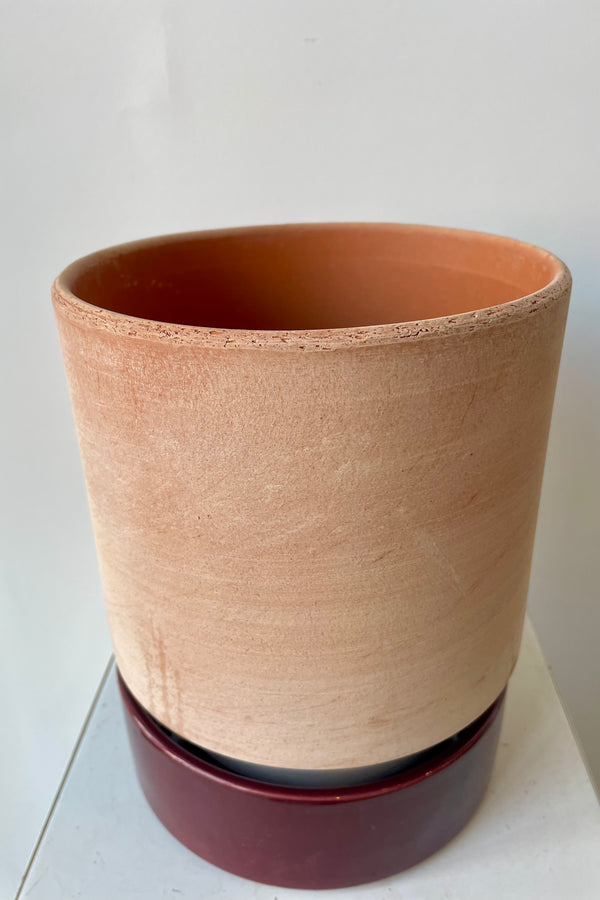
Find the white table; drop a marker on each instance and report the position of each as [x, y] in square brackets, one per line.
[536, 835]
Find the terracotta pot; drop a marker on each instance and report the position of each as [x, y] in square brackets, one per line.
[314, 456]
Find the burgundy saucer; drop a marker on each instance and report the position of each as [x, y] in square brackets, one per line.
[313, 838]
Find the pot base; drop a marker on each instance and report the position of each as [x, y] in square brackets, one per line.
[313, 838]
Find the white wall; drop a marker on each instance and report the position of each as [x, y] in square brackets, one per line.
[130, 118]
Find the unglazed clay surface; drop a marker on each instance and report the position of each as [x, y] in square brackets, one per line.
[314, 529]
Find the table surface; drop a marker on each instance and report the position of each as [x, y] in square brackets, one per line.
[536, 834]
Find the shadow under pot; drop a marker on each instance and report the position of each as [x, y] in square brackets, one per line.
[313, 456]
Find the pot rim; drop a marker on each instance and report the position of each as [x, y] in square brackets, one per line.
[316, 339]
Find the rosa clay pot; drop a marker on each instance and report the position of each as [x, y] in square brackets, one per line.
[314, 456]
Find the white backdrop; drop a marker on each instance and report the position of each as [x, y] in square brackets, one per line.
[138, 117]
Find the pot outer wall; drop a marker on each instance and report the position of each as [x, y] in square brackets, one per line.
[319, 540]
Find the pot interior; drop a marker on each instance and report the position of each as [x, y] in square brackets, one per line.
[301, 277]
